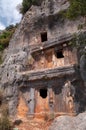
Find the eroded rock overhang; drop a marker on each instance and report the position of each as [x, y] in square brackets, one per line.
[30, 77]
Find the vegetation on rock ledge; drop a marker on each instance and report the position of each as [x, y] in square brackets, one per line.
[26, 4]
[5, 37]
[5, 123]
[77, 8]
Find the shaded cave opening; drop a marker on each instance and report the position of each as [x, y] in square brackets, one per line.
[43, 93]
[59, 54]
[43, 36]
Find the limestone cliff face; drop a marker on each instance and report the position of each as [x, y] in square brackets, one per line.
[44, 18]
[71, 123]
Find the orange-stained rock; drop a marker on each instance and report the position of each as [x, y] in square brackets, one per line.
[42, 106]
[22, 108]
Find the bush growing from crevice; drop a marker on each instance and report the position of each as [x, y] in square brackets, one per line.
[1, 97]
[79, 40]
[5, 37]
[76, 8]
[5, 123]
[26, 4]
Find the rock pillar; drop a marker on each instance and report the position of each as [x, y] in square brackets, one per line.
[32, 101]
[51, 99]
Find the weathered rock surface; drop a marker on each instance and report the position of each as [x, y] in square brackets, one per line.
[38, 19]
[83, 67]
[69, 123]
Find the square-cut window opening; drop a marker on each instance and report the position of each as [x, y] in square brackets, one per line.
[59, 54]
[0, 102]
[43, 36]
[43, 93]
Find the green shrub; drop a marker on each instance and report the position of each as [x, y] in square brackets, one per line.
[26, 4]
[1, 97]
[77, 8]
[80, 26]
[5, 37]
[79, 40]
[1, 61]
[5, 123]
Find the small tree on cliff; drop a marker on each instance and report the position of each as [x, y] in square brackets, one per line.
[26, 4]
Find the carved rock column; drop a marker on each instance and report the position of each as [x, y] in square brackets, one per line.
[51, 99]
[32, 101]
